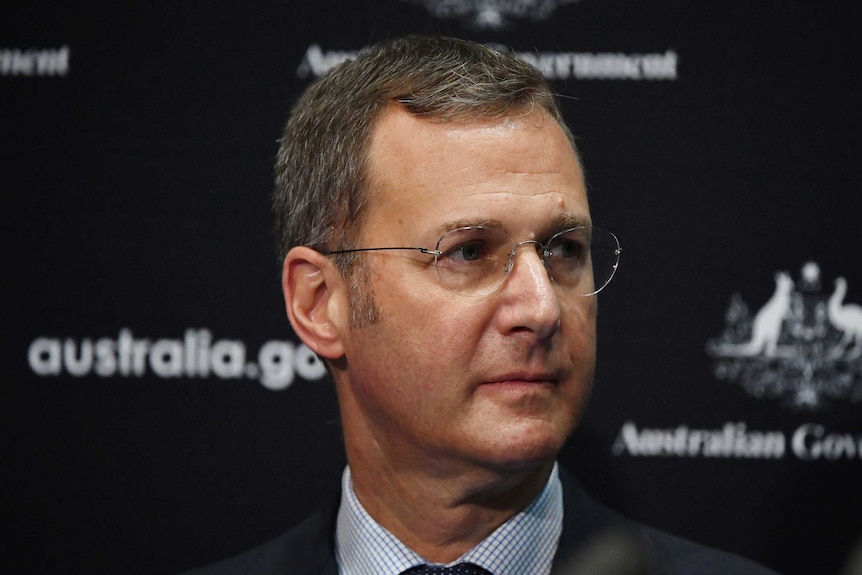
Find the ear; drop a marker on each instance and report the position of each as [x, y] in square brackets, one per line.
[313, 295]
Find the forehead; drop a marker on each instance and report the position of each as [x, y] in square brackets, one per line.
[520, 170]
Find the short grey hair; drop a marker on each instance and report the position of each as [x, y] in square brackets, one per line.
[321, 185]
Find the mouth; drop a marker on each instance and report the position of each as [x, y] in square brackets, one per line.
[523, 379]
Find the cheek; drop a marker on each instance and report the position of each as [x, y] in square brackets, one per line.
[414, 366]
[578, 325]
[437, 343]
[449, 332]
[585, 308]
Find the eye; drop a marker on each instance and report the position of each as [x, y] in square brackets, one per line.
[464, 245]
[567, 248]
[469, 251]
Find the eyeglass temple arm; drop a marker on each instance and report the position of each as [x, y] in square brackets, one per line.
[354, 250]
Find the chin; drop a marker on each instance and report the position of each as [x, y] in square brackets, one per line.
[527, 444]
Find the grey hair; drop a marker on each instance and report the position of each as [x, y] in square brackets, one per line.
[321, 186]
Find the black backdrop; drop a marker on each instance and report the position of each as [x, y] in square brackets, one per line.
[159, 414]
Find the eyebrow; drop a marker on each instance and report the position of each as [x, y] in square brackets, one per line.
[562, 221]
[455, 224]
[569, 220]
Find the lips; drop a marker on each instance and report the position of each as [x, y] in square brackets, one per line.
[523, 379]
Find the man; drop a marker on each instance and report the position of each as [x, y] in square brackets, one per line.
[438, 254]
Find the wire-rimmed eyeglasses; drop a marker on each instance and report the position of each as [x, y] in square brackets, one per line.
[474, 260]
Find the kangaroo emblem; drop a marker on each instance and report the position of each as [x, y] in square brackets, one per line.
[766, 327]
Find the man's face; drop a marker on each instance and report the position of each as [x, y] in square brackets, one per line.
[444, 380]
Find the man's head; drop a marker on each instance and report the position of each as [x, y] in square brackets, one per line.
[322, 190]
[453, 372]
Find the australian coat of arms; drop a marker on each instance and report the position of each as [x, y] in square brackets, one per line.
[803, 346]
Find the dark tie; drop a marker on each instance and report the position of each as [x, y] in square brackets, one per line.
[459, 569]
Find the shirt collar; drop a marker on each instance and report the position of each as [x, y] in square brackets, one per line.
[526, 543]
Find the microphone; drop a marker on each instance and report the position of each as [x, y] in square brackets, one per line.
[853, 565]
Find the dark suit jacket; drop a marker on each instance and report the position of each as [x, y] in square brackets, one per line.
[594, 541]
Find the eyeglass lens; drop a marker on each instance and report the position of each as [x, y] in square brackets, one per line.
[474, 260]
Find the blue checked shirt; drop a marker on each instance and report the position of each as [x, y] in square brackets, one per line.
[525, 544]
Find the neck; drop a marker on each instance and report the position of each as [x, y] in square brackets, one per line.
[441, 517]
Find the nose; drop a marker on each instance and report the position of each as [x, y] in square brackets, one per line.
[530, 300]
